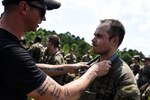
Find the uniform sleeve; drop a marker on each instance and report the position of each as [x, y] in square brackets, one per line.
[127, 87]
[58, 60]
[129, 92]
[20, 71]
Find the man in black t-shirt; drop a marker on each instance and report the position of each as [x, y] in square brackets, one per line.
[20, 75]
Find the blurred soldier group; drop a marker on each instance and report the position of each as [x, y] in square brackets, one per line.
[141, 69]
[51, 54]
[37, 50]
[70, 57]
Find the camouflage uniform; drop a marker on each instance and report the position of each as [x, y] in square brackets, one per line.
[144, 80]
[144, 75]
[118, 84]
[46, 55]
[86, 58]
[135, 67]
[57, 59]
[70, 58]
[37, 52]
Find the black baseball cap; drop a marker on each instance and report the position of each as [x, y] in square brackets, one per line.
[51, 4]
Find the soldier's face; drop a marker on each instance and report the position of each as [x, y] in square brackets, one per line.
[101, 42]
[49, 46]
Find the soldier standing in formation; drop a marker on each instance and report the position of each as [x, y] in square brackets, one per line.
[135, 66]
[143, 78]
[55, 57]
[36, 50]
[70, 57]
[87, 57]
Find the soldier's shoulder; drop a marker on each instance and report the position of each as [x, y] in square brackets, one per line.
[58, 55]
[130, 91]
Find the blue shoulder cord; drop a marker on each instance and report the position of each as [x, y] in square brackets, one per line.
[113, 57]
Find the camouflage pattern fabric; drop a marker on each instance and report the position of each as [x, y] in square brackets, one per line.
[135, 68]
[118, 84]
[88, 95]
[46, 55]
[86, 58]
[70, 58]
[37, 52]
[57, 59]
[144, 75]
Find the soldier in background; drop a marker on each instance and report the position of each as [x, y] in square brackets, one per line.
[135, 66]
[46, 54]
[87, 57]
[37, 50]
[70, 57]
[55, 57]
[143, 78]
[30, 44]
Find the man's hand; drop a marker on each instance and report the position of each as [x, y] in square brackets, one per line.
[77, 66]
[101, 68]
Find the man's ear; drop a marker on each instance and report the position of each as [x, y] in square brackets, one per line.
[23, 8]
[115, 40]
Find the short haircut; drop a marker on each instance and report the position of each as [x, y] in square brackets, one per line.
[116, 28]
[55, 40]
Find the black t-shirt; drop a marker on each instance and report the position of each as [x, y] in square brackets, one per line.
[19, 74]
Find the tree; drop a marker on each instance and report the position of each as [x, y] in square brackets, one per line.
[79, 45]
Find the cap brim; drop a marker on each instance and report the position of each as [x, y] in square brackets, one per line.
[52, 4]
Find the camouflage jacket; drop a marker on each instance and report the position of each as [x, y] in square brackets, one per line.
[118, 84]
[144, 75]
[135, 68]
[37, 52]
[57, 59]
[86, 58]
[70, 58]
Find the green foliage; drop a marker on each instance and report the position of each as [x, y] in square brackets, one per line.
[127, 55]
[69, 41]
